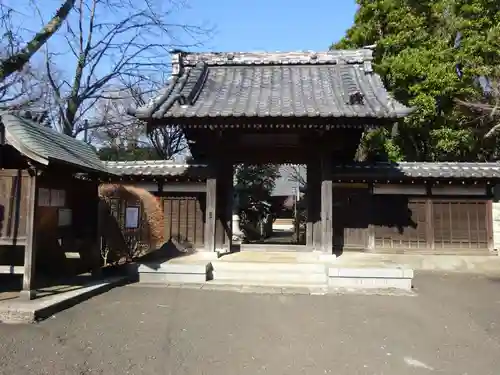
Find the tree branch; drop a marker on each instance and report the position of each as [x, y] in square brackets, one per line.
[17, 61]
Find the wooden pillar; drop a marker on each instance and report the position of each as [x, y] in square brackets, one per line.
[28, 291]
[429, 223]
[489, 226]
[370, 242]
[96, 255]
[210, 214]
[224, 207]
[313, 225]
[326, 203]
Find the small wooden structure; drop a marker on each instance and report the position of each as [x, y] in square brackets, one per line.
[48, 201]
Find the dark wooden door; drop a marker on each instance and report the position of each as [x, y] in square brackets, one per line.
[184, 219]
[351, 210]
[460, 225]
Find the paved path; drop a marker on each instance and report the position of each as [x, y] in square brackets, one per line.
[451, 327]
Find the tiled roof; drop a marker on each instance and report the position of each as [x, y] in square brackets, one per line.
[297, 84]
[155, 168]
[419, 170]
[45, 145]
[392, 171]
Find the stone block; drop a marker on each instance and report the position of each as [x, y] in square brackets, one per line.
[370, 283]
[165, 278]
[171, 267]
[370, 272]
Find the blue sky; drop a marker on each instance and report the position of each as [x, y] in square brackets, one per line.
[272, 25]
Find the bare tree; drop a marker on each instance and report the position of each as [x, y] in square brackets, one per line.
[109, 40]
[296, 174]
[27, 86]
[16, 61]
[114, 127]
[110, 124]
[168, 141]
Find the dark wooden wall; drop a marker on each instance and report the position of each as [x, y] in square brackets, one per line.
[185, 218]
[411, 224]
[14, 200]
[14, 186]
[54, 242]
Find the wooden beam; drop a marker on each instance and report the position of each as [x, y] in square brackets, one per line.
[326, 203]
[210, 214]
[28, 291]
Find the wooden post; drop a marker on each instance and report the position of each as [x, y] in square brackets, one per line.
[429, 223]
[229, 207]
[210, 212]
[96, 256]
[326, 204]
[370, 243]
[370, 246]
[313, 225]
[489, 226]
[28, 292]
[224, 207]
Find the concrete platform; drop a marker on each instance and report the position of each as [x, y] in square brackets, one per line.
[377, 278]
[194, 268]
[271, 269]
[51, 300]
[480, 264]
[308, 270]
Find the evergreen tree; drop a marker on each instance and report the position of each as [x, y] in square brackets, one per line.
[429, 54]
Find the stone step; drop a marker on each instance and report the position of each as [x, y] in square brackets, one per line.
[268, 267]
[261, 272]
[267, 283]
[170, 267]
[370, 278]
[174, 272]
[274, 247]
[281, 277]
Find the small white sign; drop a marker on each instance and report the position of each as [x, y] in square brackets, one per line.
[43, 197]
[57, 198]
[65, 217]
[132, 217]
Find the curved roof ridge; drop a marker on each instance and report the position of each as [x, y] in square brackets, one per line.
[332, 57]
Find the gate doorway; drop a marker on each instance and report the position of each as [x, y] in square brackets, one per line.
[269, 204]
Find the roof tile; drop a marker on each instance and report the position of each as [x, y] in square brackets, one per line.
[47, 145]
[452, 170]
[156, 168]
[293, 84]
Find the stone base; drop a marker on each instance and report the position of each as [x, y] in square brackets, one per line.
[197, 271]
[376, 278]
[208, 255]
[165, 278]
[27, 295]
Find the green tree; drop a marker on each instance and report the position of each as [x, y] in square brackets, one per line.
[120, 153]
[254, 185]
[417, 57]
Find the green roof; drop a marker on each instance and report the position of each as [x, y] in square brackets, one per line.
[46, 146]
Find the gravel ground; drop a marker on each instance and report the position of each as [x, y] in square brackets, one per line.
[451, 327]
